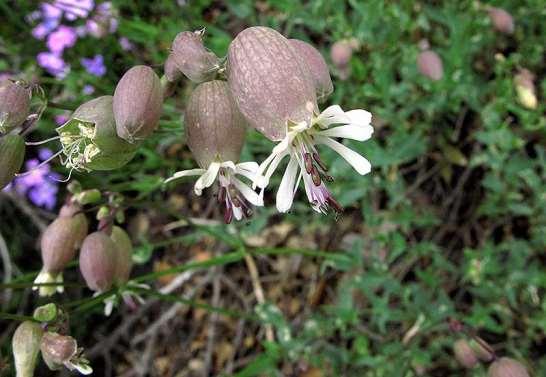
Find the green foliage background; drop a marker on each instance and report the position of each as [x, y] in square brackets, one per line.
[450, 223]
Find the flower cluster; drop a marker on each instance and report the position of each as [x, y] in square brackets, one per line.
[273, 85]
[99, 21]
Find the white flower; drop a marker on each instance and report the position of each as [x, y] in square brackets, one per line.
[299, 143]
[45, 277]
[233, 193]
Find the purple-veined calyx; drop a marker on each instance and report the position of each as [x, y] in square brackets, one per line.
[305, 163]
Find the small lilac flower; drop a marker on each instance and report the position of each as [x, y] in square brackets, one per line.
[35, 177]
[125, 44]
[74, 9]
[51, 12]
[95, 65]
[63, 37]
[44, 195]
[44, 153]
[61, 119]
[53, 63]
[44, 28]
[88, 89]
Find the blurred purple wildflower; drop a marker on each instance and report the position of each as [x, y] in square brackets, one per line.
[74, 9]
[44, 28]
[63, 37]
[103, 22]
[125, 44]
[95, 65]
[88, 89]
[61, 119]
[53, 63]
[40, 184]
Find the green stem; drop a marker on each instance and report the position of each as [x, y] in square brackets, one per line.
[60, 106]
[15, 317]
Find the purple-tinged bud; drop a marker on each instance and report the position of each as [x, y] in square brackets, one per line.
[124, 255]
[90, 140]
[12, 154]
[270, 84]
[483, 351]
[138, 101]
[191, 57]
[502, 20]
[317, 67]
[59, 244]
[215, 129]
[430, 65]
[341, 53]
[507, 367]
[26, 347]
[14, 104]
[464, 354]
[62, 350]
[57, 349]
[98, 261]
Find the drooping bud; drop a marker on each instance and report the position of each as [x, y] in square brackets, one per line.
[507, 367]
[57, 349]
[215, 129]
[59, 243]
[341, 53]
[89, 138]
[192, 58]
[98, 261]
[270, 84]
[525, 88]
[464, 354]
[430, 65]
[14, 104]
[124, 255]
[12, 154]
[138, 101]
[26, 347]
[502, 20]
[317, 67]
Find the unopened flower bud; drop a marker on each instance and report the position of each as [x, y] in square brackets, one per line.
[98, 261]
[90, 140]
[507, 367]
[14, 104]
[525, 88]
[138, 101]
[12, 154]
[502, 20]
[341, 53]
[215, 129]
[483, 351]
[124, 255]
[46, 313]
[59, 243]
[26, 347]
[270, 84]
[464, 354]
[62, 350]
[88, 196]
[430, 65]
[192, 58]
[57, 349]
[317, 67]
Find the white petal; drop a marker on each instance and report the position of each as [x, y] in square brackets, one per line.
[350, 131]
[359, 163]
[263, 180]
[332, 115]
[237, 213]
[250, 166]
[185, 173]
[249, 194]
[228, 165]
[208, 178]
[285, 194]
[84, 369]
[359, 117]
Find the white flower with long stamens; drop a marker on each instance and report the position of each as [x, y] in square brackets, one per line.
[300, 144]
[233, 193]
